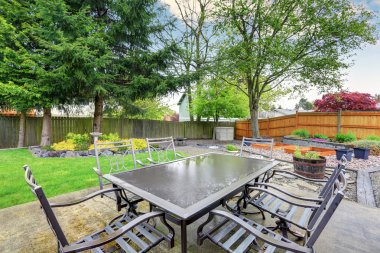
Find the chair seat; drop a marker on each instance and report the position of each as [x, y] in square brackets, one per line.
[282, 209]
[233, 238]
[141, 239]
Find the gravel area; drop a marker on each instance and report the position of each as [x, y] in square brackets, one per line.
[355, 164]
[375, 180]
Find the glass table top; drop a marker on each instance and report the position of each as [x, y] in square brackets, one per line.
[186, 182]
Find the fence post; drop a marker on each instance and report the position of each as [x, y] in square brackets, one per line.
[339, 120]
[268, 126]
[296, 119]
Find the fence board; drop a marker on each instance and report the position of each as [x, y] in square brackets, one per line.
[360, 123]
[126, 128]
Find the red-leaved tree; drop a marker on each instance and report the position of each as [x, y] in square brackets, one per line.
[355, 101]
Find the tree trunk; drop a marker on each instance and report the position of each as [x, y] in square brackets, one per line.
[190, 99]
[98, 113]
[254, 111]
[46, 128]
[21, 131]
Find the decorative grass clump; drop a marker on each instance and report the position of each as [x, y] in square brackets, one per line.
[301, 133]
[348, 137]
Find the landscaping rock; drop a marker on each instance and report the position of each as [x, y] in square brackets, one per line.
[83, 153]
[91, 152]
[36, 151]
[71, 154]
[107, 153]
[53, 154]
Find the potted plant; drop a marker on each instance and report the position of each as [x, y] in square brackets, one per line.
[343, 151]
[310, 164]
[361, 153]
[231, 148]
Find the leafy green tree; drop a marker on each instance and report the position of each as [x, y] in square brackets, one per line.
[153, 109]
[194, 35]
[91, 51]
[17, 68]
[217, 99]
[289, 43]
[304, 104]
[139, 68]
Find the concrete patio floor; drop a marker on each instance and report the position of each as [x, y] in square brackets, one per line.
[353, 228]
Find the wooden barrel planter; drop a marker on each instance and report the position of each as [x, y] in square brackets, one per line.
[311, 168]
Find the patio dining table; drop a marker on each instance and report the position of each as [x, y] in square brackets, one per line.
[189, 188]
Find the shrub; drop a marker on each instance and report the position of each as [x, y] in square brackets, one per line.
[64, 145]
[230, 147]
[348, 137]
[321, 136]
[81, 141]
[301, 133]
[297, 153]
[345, 101]
[311, 155]
[373, 145]
[372, 138]
[112, 137]
[139, 144]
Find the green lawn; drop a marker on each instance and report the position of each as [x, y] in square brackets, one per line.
[55, 175]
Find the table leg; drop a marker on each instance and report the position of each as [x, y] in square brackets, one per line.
[183, 236]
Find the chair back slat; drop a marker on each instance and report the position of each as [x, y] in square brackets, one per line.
[247, 142]
[329, 193]
[45, 205]
[159, 149]
[333, 177]
[325, 219]
[116, 153]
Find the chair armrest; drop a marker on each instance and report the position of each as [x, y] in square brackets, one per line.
[299, 176]
[90, 196]
[141, 163]
[318, 200]
[270, 240]
[97, 171]
[177, 154]
[281, 198]
[151, 161]
[113, 236]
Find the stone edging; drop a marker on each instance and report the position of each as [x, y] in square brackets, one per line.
[364, 187]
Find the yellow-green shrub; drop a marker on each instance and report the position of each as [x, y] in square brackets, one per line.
[64, 145]
[139, 144]
[111, 137]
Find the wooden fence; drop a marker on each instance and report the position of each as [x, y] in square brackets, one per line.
[328, 123]
[9, 127]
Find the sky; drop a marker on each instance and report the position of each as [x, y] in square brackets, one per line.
[362, 76]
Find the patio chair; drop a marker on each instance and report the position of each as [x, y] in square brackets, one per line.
[337, 176]
[160, 149]
[125, 233]
[247, 142]
[285, 206]
[239, 234]
[116, 154]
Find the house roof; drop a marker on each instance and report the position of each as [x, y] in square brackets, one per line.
[181, 99]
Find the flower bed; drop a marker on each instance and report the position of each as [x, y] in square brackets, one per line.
[314, 143]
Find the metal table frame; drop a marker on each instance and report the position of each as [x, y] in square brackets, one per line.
[186, 216]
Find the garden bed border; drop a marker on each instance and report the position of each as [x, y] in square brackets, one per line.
[317, 144]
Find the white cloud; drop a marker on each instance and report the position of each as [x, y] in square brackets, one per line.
[376, 2]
